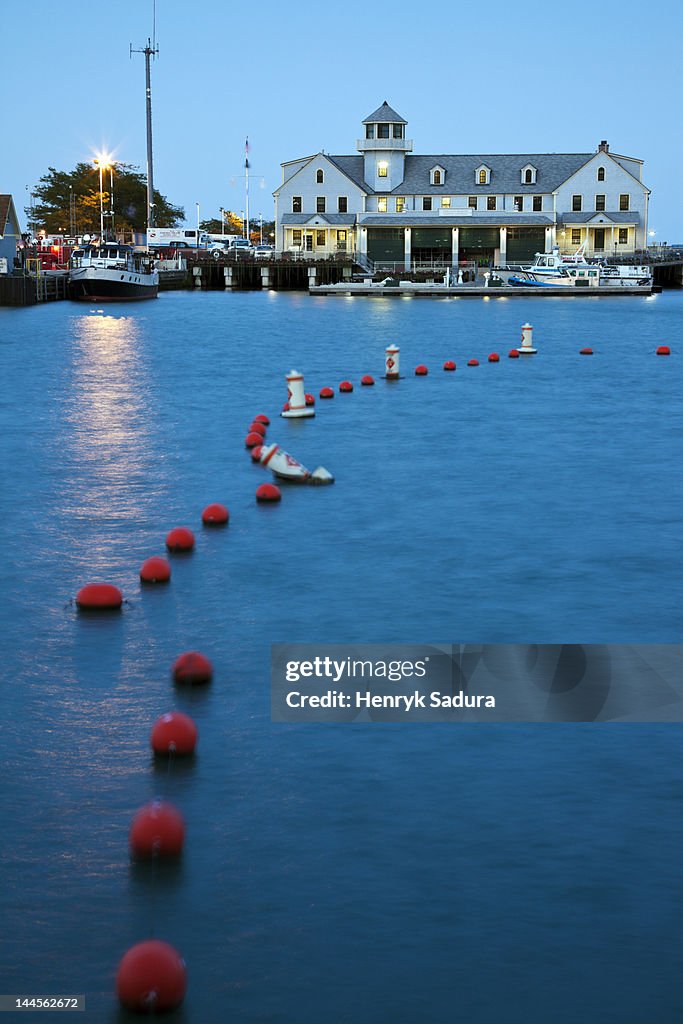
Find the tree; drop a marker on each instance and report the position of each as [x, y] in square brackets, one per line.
[54, 203]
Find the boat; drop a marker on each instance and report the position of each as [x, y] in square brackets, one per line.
[112, 272]
[553, 268]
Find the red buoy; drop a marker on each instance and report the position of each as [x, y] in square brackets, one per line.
[155, 570]
[252, 439]
[151, 977]
[310, 400]
[192, 668]
[215, 514]
[513, 354]
[663, 350]
[256, 453]
[473, 362]
[367, 381]
[157, 830]
[262, 419]
[449, 365]
[257, 428]
[99, 597]
[180, 539]
[421, 370]
[285, 407]
[494, 358]
[586, 352]
[346, 385]
[268, 492]
[174, 733]
[326, 393]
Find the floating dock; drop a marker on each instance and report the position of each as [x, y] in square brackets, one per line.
[469, 291]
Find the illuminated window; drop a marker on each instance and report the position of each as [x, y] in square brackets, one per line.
[296, 236]
[445, 202]
[623, 202]
[400, 204]
[600, 204]
[623, 236]
[482, 177]
[382, 204]
[320, 237]
[576, 236]
[437, 178]
[382, 168]
[601, 173]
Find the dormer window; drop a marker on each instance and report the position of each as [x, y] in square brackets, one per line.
[528, 176]
[319, 177]
[437, 175]
[601, 173]
[482, 175]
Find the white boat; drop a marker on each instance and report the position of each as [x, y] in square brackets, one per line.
[553, 268]
[112, 272]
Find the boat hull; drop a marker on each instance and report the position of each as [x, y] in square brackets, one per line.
[112, 285]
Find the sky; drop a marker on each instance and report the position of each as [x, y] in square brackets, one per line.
[299, 78]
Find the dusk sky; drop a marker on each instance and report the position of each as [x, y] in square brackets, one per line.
[297, 78]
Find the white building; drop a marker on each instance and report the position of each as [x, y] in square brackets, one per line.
[398, 207]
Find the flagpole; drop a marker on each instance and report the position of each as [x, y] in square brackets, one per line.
[246, 174]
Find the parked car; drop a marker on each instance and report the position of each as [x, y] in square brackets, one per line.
[240, 245]
[263, 252]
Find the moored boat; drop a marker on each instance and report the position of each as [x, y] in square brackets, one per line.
[553, 268]
[112, 272]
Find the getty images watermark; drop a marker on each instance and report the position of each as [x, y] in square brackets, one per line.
[477, 683]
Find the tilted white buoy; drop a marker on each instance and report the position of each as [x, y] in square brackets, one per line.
[527, 346]
[393, 358]
[285, 466]
[296, 397]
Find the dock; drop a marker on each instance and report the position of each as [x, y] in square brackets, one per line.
[468, 291]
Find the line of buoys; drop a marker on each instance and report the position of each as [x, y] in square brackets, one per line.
[473, 362]
[252, 439]
[151, 978]
[327, 392]
[513, 354]
[268, 492]
[346, 386]
[99, 597]
[663, 350]
[494, 357]
[192, 668]
[256, 453]
[421, 370]
[155, 570]
[180, 538]
[367, 381]
[157, 830]
[174, 733]
[261, 418]
[449, 365]
[310, 399]
[257, 428]
[216, 514]
[586, 352]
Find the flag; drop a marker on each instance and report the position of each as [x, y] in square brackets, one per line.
[246, 153]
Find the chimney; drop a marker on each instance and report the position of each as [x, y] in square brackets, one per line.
[603, 147]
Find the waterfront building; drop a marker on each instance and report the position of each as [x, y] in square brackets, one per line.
[10, 234]
[394, 206]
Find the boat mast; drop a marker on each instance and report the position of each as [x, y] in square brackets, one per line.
[151, 50]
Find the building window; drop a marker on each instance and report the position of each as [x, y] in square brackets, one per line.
[483, 178]
[296, 204]
[369, 131]
[398, 131]
[472, 202]
[528, 177]
[601, 173]
[319, 177]
[436, 178]
[382, 131]
[296, 236]
[519, 203]
[445, 202]
[577, 202]
[320, 237]
[600, 204]
[400, 204]
[381, 204]
[623, 236]
[426, 202]
[382, 168]
[623, 202]
[576, 236]
[320, 204]
[537, 204]
[490, 202]
[342, 204]
[341, 239]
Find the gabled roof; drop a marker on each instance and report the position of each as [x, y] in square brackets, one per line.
[552, 169]
[8, 214]
[383, 114]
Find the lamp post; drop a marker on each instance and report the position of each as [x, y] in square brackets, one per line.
[197, 205]
[103, 163]
[98, 164]
[242, 219]
[260, 222]
[222, 222]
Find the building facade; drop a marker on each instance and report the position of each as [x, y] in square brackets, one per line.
[10, 234]
[404, 209]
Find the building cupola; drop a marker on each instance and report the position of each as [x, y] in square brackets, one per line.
[384, 147]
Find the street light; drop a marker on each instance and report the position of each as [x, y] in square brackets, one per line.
[103, 163]
[242, 219]
[260, 221]
[197, 205]
[222, 221]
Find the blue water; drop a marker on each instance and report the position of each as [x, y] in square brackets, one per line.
[366, 873]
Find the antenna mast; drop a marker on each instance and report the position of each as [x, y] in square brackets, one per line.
[151, 50]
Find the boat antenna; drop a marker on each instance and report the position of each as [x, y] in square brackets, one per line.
[150, 50]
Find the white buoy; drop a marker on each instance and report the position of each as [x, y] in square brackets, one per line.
[460, 280]
[393, 357]
[286, 467]
[527, 346]
[296, 397]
